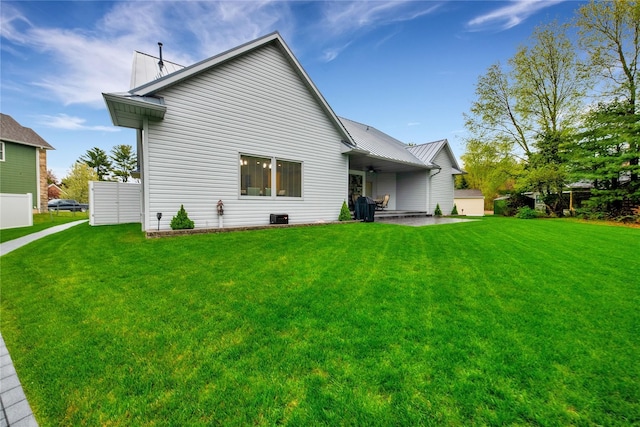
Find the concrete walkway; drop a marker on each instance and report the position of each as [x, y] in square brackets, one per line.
[422, 221]
[14, 407]
[14, 244]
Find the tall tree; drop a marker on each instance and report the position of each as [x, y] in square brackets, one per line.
[76, 184]
[610, 34]
[124, 161]
[494, 115]
[601, 156]
[532, 106]
[490, 167]
[98, 160]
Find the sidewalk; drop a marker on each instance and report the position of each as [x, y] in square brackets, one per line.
[15, 410]
[14, 244]
[14, 407]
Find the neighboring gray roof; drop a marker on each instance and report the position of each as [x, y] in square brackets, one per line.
[379, 144]
[145, 69]
[12, 131]
[428, 152]
[467, 194]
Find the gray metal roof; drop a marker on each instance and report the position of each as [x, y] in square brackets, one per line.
[428, 152]
[12, 131]
[379, 144]
[468, 194]
[145, 69]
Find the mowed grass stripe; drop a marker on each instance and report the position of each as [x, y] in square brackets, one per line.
[499, 321]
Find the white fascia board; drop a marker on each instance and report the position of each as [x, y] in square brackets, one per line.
[148, 107]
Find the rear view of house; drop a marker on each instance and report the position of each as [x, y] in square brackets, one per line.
[250, 128]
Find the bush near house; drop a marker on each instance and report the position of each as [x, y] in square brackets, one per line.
[438, 211]
[181, 221]
[345, 214]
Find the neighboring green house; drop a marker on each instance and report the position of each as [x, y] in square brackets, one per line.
[23, 161]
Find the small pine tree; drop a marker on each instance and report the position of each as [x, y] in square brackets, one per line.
[454, 211]
[181, 221]
[438, 211]
[345, 215]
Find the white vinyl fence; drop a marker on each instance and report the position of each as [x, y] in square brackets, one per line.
[114, 203]
[16, 210]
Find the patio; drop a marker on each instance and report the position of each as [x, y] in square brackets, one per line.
[414, 219]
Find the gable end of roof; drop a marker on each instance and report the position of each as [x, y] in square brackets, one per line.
[12, 131]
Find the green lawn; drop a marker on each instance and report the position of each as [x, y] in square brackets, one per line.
[41, 222]
[494, 322]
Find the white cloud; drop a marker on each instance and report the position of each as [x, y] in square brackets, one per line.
[76, 65]
[332, 53]
[81, 64]
[346, 20]
[509, 16]
[63, 121]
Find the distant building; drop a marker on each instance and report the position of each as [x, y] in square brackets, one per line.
[23, 161]
[469, 202]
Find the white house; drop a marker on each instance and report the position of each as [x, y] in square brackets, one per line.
[250, 128]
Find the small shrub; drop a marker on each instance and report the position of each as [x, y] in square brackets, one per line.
[526, 212]
[345, 215]
[438, 211]
[181, 221]
[454, 211]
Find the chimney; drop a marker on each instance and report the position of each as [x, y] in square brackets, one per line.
[160, 63]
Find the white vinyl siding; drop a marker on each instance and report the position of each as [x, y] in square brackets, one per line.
[412, 191]
[253, 104]
[442, 184]
[386, 184]
[114, 202]
[470, 207]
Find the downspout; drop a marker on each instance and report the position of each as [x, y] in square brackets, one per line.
[430, 187]
[144, 173]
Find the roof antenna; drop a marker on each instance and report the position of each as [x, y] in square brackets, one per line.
[160, 63]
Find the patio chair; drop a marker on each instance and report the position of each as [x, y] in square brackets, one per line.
[383, 203]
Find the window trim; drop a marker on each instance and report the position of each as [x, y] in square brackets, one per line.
[2, 151]
[274, 168]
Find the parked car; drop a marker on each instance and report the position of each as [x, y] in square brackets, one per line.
[67, 205]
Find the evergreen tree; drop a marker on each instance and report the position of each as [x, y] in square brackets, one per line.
[603, 155]
[98, 160]
[123, 161]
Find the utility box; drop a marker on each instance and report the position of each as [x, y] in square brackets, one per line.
[279, 219]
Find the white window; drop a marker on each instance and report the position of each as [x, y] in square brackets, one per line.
[288, 178]
[258, 176]
[1, 151]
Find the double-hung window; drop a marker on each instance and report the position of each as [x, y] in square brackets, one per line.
[259, 177]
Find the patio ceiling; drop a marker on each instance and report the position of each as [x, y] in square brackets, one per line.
[366, 162]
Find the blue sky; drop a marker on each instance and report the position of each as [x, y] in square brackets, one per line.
[408, 68]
